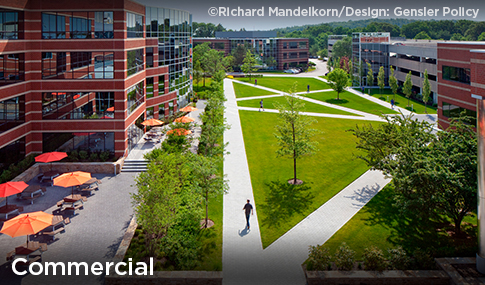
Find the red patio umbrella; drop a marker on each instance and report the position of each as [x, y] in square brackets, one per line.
[50, 157]
[11, 188]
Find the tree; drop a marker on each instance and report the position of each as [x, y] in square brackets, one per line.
[481, 37]
[293, 133]
[432, 174]
[239, 53]
[408, 86]
[249, 65]
[381, 78]
[206, 181]
[393, 83]
[422, 36]
[370, 76]
[426, 89]
[338, 81]
[213, 61]
[323, 53]
[197, 72]
[199, 54]
[228, 63]
[342, 48]
[164, 200]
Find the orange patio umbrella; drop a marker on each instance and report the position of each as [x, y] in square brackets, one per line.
[50, 157]
[11, 188]
[27, 224]
[72, 179]
[184, 119]
[180, 132]
[188, 109]
[152, 122]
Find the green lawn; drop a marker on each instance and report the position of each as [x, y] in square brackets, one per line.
[401, 101]
[380, 224]
[352, 101]
[268, 103]
[285, 83]
[242, 91]
[280, 207]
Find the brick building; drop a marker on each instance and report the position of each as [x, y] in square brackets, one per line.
[271, 52]
[82, 75]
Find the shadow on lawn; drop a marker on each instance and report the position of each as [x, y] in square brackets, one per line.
[283, 201]
[413, 231]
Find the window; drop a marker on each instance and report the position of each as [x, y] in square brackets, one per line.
[53, 26]
[135, 97]
[12, 153]
[105, 105]
[161, 84]
[149, 87]
[303, 55]
[219, 45]
[68, 106]
[103, 65]
[285, 45]
[134, 61]
[134, 25]
[293, 55]
[103, 25]
[88, 141]
[453, 111]
[285, 55]
[12, 113]
[12, 68]
[80, 25]
[456, 74]
[293, 45]
[81, 67]
[302, 44]
[150, 112]
[161, 111]
[9, 25]
[149, 55]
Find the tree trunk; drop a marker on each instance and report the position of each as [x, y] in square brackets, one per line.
[204, 79]
[457, 225]
[338, 96]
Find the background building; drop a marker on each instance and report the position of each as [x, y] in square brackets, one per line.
[271, 52]
[82, 75]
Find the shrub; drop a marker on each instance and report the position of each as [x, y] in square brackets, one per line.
[104, 156]
[423, 259]
[398, 258]
[93, 156]
[83, 154]
[6, 176]
[344, 257]
[318, 258]
[374, 259]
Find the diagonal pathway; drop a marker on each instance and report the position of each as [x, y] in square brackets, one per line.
[244, 260]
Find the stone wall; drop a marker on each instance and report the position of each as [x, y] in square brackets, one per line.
[388, 277]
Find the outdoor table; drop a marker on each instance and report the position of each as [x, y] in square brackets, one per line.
[73, 198]
[91, 181]
[8, 210]
[50, 175]
[27, 249]
[57, 226]
[32, 192]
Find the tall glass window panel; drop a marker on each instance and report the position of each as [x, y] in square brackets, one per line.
[80, 25]
[135, 97]
[9, 25]
[103, 25]
[12, 113]
[53, 26]
[135, 61]
[12, 68]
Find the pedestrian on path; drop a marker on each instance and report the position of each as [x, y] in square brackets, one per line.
[248, 208]
[362, 89]
[261, 105]
[392, 104]
[255, 82]
[308, 88]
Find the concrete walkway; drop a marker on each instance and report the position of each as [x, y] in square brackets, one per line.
[244, 260]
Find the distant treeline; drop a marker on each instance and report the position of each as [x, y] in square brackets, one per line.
[461, 30]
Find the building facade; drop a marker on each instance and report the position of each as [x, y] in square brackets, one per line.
[271, 52]
[84, 75]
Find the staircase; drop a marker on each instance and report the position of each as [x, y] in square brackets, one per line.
[133, 165]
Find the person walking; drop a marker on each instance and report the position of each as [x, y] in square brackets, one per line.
[248, 208]
[308, 88]
[261, 105]
[392, 104]
[255, 82]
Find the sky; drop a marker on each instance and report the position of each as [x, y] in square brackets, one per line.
[228, 13]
